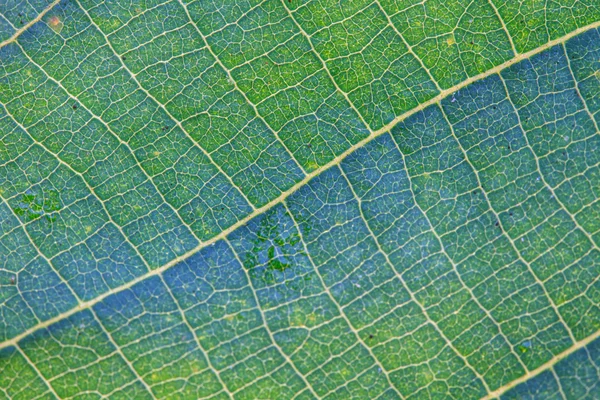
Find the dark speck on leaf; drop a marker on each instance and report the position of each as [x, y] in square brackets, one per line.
[124, 58]
[12, 280]
[370, 336]
[74, 106]
[497, 223]
[511, 214]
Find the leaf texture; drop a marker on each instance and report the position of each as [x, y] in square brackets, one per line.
[283, 199]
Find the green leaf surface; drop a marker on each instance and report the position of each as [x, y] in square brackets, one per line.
[320, 199]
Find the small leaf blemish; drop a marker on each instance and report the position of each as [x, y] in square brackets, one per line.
[55, 24]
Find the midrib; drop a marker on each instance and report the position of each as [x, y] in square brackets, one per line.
[547, 365]
[336, 161]
[28, 25]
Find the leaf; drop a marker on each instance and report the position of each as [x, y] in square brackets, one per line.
[287, 199]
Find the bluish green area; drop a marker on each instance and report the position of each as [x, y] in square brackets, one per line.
[159, 237]
[575, 377]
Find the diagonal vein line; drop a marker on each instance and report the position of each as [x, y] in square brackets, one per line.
[93, 313]
[342, 314]
[228, 72]
[512, 45]
[187, 323]
[544, 367]
[3, 17]
[92, 191]
[162, 106]
[408, 46]
[412, 295]
[264, 321]
[336, 161]
[37, 371]
[20, 226]
[74, 294]
[454, 267]
[40, 254]
[117, 137]
[504, 232]
[120, 352]
[325, 67]
[28, 25]
[560, 388]
[537, 162]
[583, 100]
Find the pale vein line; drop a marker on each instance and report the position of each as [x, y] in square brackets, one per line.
[162, 106]
[237, 87]
[264, 320]
[200, 347]
[62, 280]
[512, 45]
[454, 267]
[408, 46]
[342, 314]
[547, 365]
[504, 231]
[29, 24]
[92, 191]
[120, 352]
[20, 226]
[76, 297]
[583, 100]
[37, 371]
[105, 124]
[560, 203]
[336, 161]
[9, 22]
[58, 273]
[412, 295]
[325, 67]
[560, 388]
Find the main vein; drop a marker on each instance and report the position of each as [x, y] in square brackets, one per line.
[336, 161]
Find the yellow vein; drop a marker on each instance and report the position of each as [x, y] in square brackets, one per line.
[38, 372]
[109, 129]
[264, 321]
[336, 161]
[408, 46]
[512, 44]
[399, 277]
[193, 331]
[164, 108]
[547, 365]
[29, 24]
[338, 305]
[505, 234]
[235, 85]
